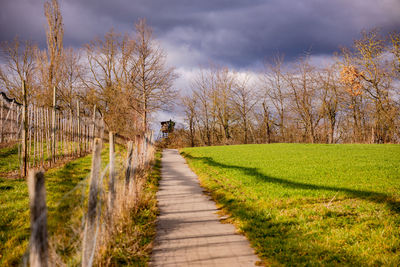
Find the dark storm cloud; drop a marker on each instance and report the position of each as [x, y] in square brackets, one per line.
[237, 33]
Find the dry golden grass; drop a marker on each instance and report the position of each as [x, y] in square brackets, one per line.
[128, 240]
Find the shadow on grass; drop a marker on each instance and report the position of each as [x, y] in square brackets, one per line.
[6, 187]
[281, 241]
[8, 160]
[65, 204]
[6, 152]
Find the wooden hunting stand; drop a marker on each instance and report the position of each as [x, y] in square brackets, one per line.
[167, 127]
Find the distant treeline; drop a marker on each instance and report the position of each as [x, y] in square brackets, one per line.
[355, 99]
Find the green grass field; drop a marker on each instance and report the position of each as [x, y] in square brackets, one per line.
[303, 204]
[9, 159]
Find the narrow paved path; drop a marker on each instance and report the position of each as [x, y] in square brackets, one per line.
[189, 232]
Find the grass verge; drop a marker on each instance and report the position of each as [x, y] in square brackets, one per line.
[132, 239]
[302, 204]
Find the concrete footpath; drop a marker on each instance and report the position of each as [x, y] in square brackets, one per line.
[189, 232]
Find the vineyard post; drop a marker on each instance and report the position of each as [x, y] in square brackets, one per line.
[86, 136]
[13, 123]
[70, 136]
[94, 125]
[16, 111]
[1, 120]
[4, 122]
[29, 147]
[89, 236]
[25, 131]
[35, 133]
[42, 136]
[53, 133]
[38, 255]
[79, 127]
[62, 134]
[111, 183]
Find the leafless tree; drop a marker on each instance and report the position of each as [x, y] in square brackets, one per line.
[304, 101]
[395, 50]
[19, 65]
[244, 99]
[103, 85]
[70, 82]
[190, 106]
[328, 81]
[153, 79]
[275, 91]
[201, 91]
[50, 61]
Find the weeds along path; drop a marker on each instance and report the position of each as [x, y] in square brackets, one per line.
[189, 232]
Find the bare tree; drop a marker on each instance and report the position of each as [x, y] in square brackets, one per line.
[329, 95]
[104, 86]
[190, 105]
[70, 81]
[369, 53]
[201, 91]
[304, 104]
[154, 79]
[244, 99]
[273, 87]
[395, 50]
[19, 65]
[50, 61]
[267, 121]
[221, 93]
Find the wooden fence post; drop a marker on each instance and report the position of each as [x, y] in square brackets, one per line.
[94, 122]
[38, 255]
[128, 166]
[25, 131]
[1, 120]
[138, 141]
[90, 235]
[111, 184]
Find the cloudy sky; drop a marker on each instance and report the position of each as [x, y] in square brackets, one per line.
[237, 33]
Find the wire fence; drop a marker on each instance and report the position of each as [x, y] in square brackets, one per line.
[105, 196]
[45, 136]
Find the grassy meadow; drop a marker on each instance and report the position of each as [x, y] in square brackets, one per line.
[308, 204]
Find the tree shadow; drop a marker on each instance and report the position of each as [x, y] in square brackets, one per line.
[285, 241]
[6, 187]
[6, 152]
